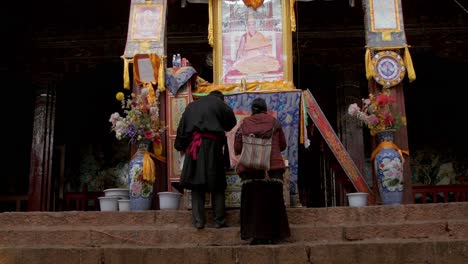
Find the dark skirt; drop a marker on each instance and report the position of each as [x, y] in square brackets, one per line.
[262, 212]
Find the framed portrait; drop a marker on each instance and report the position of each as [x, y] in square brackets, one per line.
[249, 44]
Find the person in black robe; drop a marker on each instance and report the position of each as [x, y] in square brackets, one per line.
[201, 136]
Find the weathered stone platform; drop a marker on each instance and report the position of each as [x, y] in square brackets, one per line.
[430, 233]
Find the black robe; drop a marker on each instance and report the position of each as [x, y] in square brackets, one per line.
[211, 115]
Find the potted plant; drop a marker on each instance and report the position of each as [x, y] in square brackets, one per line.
[140, 125]
[382, 118]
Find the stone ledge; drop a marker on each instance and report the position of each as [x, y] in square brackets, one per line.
[380, 251]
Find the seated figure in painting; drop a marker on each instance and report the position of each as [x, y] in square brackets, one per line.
[254, 54]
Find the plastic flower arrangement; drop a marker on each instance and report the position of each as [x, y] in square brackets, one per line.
[141, 118]
[378, 113]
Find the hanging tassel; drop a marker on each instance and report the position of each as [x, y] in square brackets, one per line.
[148, 168]
[409, 65]
[126, 74]
[293, 16]
[210, 22]
[151, 94]
[369, 67]
[161, 75]
[148, 165]
[157, 146]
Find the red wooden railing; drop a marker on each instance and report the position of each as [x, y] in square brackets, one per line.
[440, 193]
[81, 201]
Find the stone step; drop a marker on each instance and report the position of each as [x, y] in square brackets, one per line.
[301, 216]
[383, 251]
[153, 235]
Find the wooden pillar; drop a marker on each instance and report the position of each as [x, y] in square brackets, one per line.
[401, 140]
[41, 152]
[350, 129]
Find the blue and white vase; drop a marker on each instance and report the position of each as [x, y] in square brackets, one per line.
[141, 191]
[388, 166]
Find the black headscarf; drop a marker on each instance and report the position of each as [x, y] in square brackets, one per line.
[218, 94]
[259, 106]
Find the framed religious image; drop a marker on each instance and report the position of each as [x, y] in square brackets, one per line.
[389, 68]
[177, 107]
[146, 22]
[175, 161]
[384, 15]
[249, 44]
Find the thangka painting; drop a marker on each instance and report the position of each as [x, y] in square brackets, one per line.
[285, 106]
[146, 28]
[254, 45]
[384, 23]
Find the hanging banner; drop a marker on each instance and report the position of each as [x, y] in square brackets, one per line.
[385, 32]
[384, 23]
[146, 28]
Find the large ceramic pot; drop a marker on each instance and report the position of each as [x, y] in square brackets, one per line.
[141, 191]
[388, 165]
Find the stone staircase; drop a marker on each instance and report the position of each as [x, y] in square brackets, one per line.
[429, 233]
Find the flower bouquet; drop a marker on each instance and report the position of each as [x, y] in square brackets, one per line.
[378, 113]
[141, 118]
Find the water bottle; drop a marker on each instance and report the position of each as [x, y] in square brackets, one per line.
[179, 60]
[174, 61]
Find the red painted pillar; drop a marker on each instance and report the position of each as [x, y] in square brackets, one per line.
[41, 153]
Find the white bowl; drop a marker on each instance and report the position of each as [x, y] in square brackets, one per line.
[124, 205]
[122, 193]
[108, 203]
[357, 199]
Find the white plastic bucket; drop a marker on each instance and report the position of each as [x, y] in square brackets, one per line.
[169, 200]
[108, 203]
[357, 199]
[124, 205]
[121, 193]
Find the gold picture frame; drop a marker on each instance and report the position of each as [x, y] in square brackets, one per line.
[254, 45]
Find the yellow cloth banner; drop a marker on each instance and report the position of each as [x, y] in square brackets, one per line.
[293, 15]
[161, 75]
[206, 87]
[126, 73]
[409, 65]
[148, 166]
[370, 72]
[210, 22]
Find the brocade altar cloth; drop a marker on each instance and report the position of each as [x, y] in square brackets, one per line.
[286, 107]
[177, 77]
